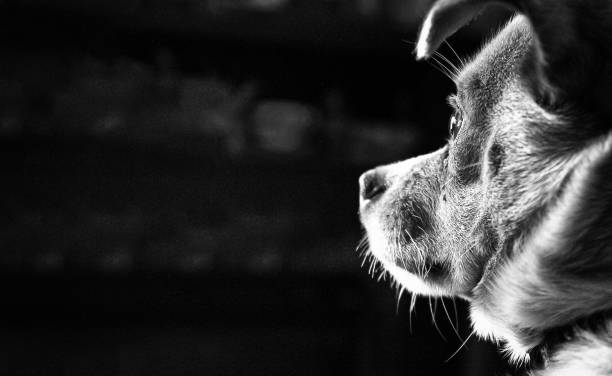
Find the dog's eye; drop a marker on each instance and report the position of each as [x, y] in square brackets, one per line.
[455, 123]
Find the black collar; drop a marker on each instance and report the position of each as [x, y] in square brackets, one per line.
[556, 337]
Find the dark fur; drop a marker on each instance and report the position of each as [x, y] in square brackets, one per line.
[513, 214]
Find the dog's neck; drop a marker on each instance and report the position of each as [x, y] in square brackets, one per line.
[544, 333]
[558, 279]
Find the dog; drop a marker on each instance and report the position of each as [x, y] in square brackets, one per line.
[514, 213]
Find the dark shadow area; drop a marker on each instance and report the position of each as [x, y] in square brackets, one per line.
[180, 188]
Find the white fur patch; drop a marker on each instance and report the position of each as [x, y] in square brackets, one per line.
[489, 328]
[412, 282]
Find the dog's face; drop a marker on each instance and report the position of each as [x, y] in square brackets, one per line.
[511, 194]
[434, 221]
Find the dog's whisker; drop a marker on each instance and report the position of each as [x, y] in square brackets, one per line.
[435, 305]
[362, 244]
[420, 253]
[449, 64]
[403, 262]
[372, 265]
[461, 61]
[449, 320]
[399, 299]
[364, 260]
[441, 68]
[445, 64]
[413, 297]
[461, 346]
[456, 314]
[433, 319]
[427, 271]
[382, 275]
[437, 66]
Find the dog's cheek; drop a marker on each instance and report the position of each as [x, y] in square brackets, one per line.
[413, 212]
[518, 182]
[456, 224]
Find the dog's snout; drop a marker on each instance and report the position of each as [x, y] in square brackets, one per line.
[372, 184]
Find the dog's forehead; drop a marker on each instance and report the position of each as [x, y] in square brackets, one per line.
[497, 64]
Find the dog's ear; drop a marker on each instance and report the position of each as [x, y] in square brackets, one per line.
[443, 19]
[571, 41]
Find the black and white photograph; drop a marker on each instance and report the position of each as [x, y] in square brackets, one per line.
[306, 187]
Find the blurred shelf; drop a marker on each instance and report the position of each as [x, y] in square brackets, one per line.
[176, 149]
[307, 23]
[345, 25]
[188, 151]
[82, 299]
[92, 206]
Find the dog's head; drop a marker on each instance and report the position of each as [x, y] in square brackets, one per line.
[514, 213]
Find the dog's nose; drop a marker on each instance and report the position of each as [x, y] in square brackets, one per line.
[371, 185]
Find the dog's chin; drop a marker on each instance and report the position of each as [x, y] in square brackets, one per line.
[414, 283]
[405, 273]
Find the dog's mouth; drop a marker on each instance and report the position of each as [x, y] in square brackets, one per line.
[435, 271]
[428, 270]
[413, 255]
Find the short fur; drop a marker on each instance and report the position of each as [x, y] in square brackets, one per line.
[513, 214]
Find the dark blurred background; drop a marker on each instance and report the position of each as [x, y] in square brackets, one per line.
[179, 192]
